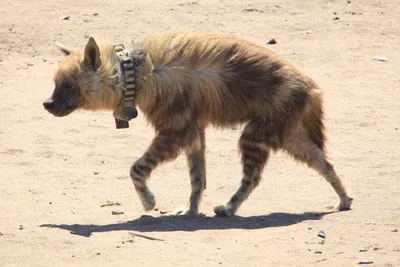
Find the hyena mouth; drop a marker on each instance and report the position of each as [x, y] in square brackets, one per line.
[67, 109]
[64, 110]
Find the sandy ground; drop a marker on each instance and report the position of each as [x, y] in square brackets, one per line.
[56, 173]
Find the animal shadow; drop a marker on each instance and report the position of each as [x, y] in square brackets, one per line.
[183, 223]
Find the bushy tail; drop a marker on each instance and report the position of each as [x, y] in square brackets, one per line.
[313, 121]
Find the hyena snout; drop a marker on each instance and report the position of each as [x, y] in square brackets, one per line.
[49, 104]
[63, 101]
[54, 107]
[60, 107]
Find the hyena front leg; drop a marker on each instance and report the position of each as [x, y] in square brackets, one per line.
[195, 155]
[255, 153]
[165, 147]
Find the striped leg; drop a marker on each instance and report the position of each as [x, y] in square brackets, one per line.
[303, 149]
[164, 147]
[255, 154]
[195, 156]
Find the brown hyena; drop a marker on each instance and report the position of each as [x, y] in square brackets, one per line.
[188, 81]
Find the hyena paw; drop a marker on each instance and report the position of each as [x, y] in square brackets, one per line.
[345, 204]
[224, 210]
[185, 211]
[148, 200]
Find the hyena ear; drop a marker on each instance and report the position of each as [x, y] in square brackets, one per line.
[65, 50]
[92, 54]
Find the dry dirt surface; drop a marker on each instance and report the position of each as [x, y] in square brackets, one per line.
[55, 174]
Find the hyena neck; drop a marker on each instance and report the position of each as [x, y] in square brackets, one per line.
[127, 81]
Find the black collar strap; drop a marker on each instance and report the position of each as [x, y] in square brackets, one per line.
[129, 74]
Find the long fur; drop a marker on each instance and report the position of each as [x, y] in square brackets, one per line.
[224, 79]
[190, 81]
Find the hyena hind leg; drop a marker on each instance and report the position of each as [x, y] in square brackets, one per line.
[255, 153]
[303, 149]
[195, 156]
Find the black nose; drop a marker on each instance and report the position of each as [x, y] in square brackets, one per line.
[48, 104]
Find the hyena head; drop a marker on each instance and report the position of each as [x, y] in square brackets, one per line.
[84, 80]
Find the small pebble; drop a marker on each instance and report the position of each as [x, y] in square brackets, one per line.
[363, 250]
[117, 212]
[73, 212]
[21, 227]
[394, 231]
[365, 262]
[98, 253]
[321, 234]
[309, 32]
[272, 41]
[64, 18]
[110, 203]
[336, 18]
[381, 58]
[317, 252]
[95, 173]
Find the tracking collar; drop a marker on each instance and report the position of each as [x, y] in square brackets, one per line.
[129, 67]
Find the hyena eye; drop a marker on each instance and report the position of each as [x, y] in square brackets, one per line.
[68, 85]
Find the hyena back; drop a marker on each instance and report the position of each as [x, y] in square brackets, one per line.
[189, 81]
